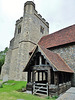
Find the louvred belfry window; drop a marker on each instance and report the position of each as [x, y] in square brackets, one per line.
[41, 29]
[19, 29]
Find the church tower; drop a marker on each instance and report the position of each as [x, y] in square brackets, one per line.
[28, 31]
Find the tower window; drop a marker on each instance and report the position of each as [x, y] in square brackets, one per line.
[19, 29]
[41, 29]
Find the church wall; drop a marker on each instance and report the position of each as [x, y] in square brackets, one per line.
[10, 64]
[67, 52]
[6, 67]
[13, 63]
[17, 34]
[11, 44]
[35, 28]
[23, 57]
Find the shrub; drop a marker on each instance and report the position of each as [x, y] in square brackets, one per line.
[48, 97]
[55, 97]
[1, 85]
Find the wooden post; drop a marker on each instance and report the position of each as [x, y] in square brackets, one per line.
[45, 62]
[49, 76]
[56, 81]
[47, 89]
[33, 88]
[46, 76]
[33, 76]
[38, 76]
[62, 78]
[35, 61]
[40, 60]
[29, 76]
[42, 76]
[56, 78]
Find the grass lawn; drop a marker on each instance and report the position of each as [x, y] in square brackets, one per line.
[9, 92]
[12, 85]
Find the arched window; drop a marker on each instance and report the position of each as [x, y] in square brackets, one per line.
[19, 29]
[41, 29]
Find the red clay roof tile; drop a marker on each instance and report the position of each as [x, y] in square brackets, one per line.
[64, 36]
[56, 60]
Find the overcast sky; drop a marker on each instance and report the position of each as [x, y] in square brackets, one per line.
[59, 14]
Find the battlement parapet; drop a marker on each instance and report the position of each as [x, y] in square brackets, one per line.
[19, 20]
[39, 15]
[41, 18]
[36, 11]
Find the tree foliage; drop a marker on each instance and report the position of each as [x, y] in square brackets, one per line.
[2, 57]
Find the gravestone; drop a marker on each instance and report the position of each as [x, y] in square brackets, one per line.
[5, 78]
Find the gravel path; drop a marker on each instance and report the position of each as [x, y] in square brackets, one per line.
[68, 95]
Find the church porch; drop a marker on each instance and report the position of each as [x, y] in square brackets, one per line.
[42, 71]
[55, 81]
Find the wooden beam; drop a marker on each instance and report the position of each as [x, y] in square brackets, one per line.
[42, 65]
[42, 68]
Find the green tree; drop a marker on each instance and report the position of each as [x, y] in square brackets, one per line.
[6, 49]
[2, 57]
[1, 63]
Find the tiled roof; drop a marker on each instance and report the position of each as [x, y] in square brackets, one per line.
[56, 60]
[64, 36]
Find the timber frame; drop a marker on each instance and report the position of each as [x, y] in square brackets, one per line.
[40, 70]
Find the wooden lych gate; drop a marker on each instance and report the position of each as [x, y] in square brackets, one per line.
[45, 74]
[40, 88]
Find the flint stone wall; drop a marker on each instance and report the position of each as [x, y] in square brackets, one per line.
[54, 90]
[67, 52]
